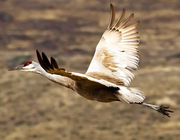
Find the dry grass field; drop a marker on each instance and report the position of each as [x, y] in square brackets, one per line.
[33, 108]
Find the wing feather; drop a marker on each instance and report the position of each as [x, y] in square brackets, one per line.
[112, 19]
[40, 60]
[116, 53]
[121, 18]
[54, 63]
[46, 60]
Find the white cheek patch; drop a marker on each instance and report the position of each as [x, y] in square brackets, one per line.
[29, 67]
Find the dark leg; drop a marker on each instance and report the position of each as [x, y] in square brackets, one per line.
[161, 109]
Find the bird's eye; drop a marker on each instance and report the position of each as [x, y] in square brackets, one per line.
[27, 63]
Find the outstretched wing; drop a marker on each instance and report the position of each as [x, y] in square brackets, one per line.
[53, 68]
[116, 53]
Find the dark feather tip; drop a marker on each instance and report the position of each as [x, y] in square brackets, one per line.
[46, 61]
[54, 63]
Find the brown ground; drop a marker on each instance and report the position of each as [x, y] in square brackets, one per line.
[32, 107]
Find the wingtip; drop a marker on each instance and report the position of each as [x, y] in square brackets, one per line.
[111, 6]
[38, 55]
[110, 1]
[43, 53]
[138, 22]
[54, 63]
[112, 18]
[37, 52]
[132, 15]
[44, 56]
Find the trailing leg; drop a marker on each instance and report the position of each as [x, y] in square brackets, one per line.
[161, 109]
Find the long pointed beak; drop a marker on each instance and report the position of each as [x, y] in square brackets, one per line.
[20, 67]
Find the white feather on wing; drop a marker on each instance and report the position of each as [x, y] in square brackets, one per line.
[116, 53]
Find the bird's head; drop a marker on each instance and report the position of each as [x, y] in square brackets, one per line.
[29, 66]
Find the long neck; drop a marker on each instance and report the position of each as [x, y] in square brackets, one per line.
[64, 81]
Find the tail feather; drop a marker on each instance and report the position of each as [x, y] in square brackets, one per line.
[131, 95]
[161, 109]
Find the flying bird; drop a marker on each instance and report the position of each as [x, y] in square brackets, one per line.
[110, 72]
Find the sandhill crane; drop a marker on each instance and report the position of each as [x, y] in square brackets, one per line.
[110, 71]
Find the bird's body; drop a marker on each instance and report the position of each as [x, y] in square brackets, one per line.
[88, 87]
[110, 72]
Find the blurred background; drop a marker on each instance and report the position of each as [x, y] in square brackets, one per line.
[32, 107]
